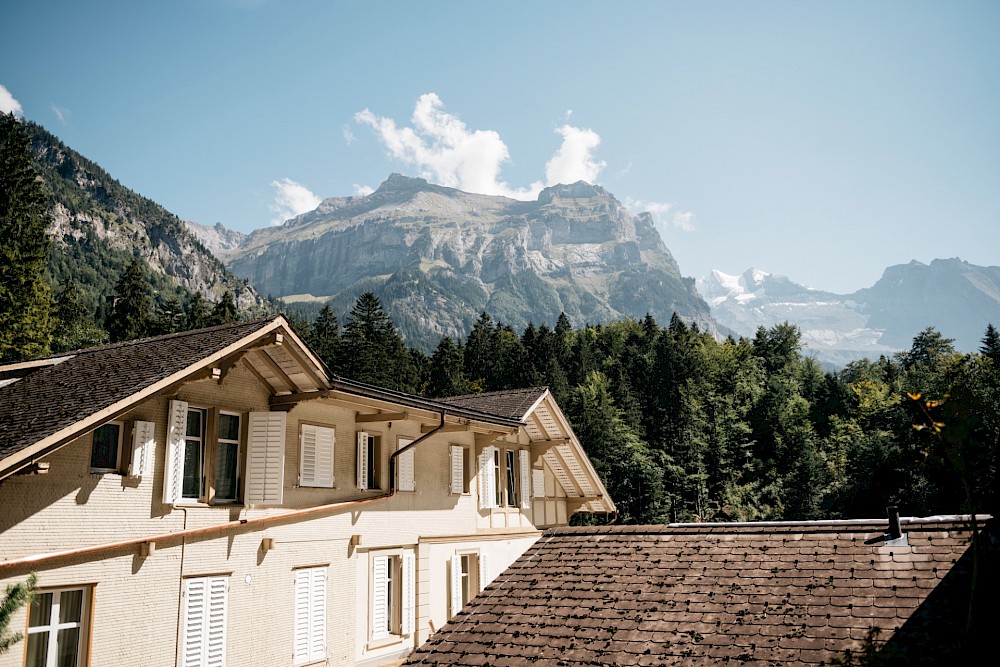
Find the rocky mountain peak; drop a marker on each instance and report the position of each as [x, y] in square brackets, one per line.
[578, 190]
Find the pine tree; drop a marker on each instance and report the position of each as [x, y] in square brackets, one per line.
[26, 321]
[324, 337]
[16, 596]
[225, 311]
[169, 318]
[197, 314]
[372, 349]
[991, 345]
[77, 328]
[130, 314]
[447, 374]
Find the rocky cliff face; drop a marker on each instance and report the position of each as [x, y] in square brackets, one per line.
[438, 256]
[218, 238]
[957, 298]
[98, 225]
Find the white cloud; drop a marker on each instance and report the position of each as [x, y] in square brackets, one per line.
[363, 190]
[291, 199]
[61, 113]
[445, 151]
[7, 102]
[664, 214]
[349, 137]
[574, 161]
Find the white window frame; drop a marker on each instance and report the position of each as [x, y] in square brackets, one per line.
[317, 449]
[392, 596]
[54, 626]
[205, 610]
[214, 444]
[310, 620]
[465, 581]
[118, 451]
[512, 484]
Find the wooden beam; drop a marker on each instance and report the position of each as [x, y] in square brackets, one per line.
[447, 428]
[540, 448]
[368, 417]
[575, 504]
[228, 365]
[276, 369]
[565, 468]
[296, 398]
[261, 378]
[305, 364]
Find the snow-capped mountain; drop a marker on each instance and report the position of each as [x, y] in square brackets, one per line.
[957, 298]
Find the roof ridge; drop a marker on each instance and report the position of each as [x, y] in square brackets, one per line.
[497, 392]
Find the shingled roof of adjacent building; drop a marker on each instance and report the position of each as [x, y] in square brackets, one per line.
[40, 398]
[510, 403]
[749, 594]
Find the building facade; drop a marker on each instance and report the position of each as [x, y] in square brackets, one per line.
[218, 498]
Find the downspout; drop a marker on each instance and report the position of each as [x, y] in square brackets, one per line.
[395, 455]
[180, 593]
[183, 535]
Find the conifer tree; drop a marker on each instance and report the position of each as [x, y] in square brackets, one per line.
[447, 374]
[991, 345]
[26, 318]
[324, 337]
[197, 313]
[77, 328]
[15, 597]
[372, 349]
[225, 311]
[169, 318]
[131, 306]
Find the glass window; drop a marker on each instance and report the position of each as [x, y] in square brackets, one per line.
[227, 454]
[106, 446]
[512, 485]
[194, 453]
[55, 628]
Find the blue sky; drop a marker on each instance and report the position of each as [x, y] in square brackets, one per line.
[822, 141]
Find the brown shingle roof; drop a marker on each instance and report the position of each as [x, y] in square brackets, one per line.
[775, 594]
[53, 397]
[510, 403]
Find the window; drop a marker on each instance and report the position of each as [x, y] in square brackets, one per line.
[489, 478]
[204, 451]
[461, 475]
[106, 448]
[316, 444]
[510, 470]
[369, 461]
[464, 580]
[393, 591]
[310, 615]
[203, 636]
[57, 628]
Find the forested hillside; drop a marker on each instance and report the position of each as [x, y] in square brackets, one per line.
[683, 427]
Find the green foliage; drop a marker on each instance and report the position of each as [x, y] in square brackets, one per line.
[77, 328]
[131, 306]
[225, 311]
[15, 597]
[26, 321]
[372, 350]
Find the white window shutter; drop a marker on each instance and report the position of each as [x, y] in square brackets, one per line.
[380, 584]
[309, 641]
[457, 468]
[456, 584]
[266, 458]
[173, 469]
[487, 479]
[525, 475]
[407, 481]
[538, 482]
[302, 614]
[143, 446]
[204, 632]
[316, 445]
[317, 625]
[362, 461]
[484, 571]
[215, 650]
[408, 620]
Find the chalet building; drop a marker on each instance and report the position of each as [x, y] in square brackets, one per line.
[774, 594]
[216, 497]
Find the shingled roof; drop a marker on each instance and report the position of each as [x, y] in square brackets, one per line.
[41, 398]
[511, 403]
[760, 594]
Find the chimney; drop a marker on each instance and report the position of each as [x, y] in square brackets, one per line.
[895, 537]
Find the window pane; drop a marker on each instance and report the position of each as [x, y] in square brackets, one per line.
[194, 423]
[68, 647]
[229, 427]
[105, 451]
[41, 610]
[225, 470]
[192, 469]
[38, 648]
[70, 604]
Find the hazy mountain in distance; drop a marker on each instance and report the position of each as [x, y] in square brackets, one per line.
[957, 298]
